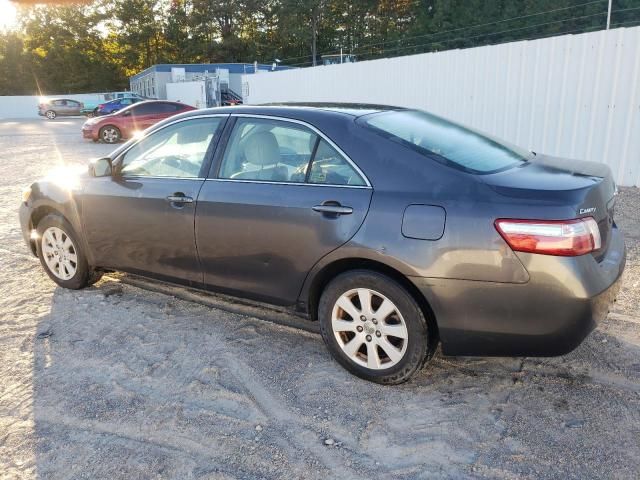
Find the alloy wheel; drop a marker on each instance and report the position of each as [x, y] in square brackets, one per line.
[50, 115]
[59, 253]
[369, 329]
[110, 135]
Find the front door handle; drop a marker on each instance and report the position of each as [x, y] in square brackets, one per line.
[333, 209]
[179, 198]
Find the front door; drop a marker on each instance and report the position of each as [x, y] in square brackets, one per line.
[283, 197]
[142, 218]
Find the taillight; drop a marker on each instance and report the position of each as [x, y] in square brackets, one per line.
[567, 238]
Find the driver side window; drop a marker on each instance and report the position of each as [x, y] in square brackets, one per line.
[177, 151]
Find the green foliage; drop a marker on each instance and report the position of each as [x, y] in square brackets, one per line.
[97, 46]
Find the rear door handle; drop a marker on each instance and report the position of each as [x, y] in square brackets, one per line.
[177, 198]
[333, 209]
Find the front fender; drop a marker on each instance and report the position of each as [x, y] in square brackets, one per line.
[60, 197]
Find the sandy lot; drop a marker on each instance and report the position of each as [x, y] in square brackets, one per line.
[120, 382]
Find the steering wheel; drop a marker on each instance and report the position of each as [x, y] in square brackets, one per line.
[180, 162]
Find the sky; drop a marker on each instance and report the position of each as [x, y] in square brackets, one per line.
[7, 15]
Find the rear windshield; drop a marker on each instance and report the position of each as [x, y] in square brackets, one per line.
[445, 141]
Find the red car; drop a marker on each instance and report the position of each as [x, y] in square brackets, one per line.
[124, 123]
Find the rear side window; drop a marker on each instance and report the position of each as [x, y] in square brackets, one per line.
[268, 150]
[445, 141]
[329, 167]
[145, 109]
[167, 107]
[280, 151]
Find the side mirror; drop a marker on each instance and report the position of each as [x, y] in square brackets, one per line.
[101, 167]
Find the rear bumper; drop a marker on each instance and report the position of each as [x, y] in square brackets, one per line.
[550, 315]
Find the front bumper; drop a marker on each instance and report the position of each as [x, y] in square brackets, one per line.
[89, 133]
[550, 315]
[24, 213]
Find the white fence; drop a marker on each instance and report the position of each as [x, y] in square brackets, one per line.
[26, 106]
[574, 96]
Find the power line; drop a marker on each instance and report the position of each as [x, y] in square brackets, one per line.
[489, 34]
[428, 35]
[500, 31]
[482, 24]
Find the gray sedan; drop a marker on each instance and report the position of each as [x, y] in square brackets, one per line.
[394, 228]
[59, 107]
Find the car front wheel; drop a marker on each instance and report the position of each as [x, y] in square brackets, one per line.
[50, 114]
[373, 327]
[61, 254]
[110, 134]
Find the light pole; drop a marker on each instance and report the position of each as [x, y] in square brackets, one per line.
[609, 15]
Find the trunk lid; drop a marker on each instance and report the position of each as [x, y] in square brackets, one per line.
[587, 187]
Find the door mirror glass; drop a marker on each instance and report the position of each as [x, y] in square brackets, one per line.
[101, 167]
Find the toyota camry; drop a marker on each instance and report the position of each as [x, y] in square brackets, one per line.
[395, 229]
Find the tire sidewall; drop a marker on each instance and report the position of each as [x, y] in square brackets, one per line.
[418, 346]
[119, 137]
[83, 272]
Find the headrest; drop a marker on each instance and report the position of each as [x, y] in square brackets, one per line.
[261, 148]
[195, 133]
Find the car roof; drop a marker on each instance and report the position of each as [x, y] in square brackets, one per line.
[294, 109]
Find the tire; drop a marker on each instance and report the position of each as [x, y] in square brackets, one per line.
[80, 275]
[110, 134]
[50, 114]
[405, 355]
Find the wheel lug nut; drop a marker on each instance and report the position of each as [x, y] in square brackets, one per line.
[375, 322]
[368, 338]
[363, 318]
[378, 334]
[359, 328]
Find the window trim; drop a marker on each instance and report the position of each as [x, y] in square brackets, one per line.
[216, 173]
[206, 164]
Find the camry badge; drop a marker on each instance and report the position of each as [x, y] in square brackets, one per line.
[587, 210]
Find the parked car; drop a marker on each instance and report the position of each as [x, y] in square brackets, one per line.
[134, 118]
[115, 95]
[393, 228]
[113, 106]
[89, 111]
[54, 107]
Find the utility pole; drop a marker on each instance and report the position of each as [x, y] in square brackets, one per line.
[609, 15]
[314, 32]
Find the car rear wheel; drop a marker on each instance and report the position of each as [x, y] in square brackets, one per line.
[373, 327]
[50, 114]
[61, 254]
[110, 134]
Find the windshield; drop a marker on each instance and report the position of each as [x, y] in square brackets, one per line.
[445, 141]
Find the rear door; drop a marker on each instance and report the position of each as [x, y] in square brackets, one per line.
[266, 217]
[142, 219]
[60, 107]
[73, 107]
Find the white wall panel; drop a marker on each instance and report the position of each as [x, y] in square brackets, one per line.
[575, 96]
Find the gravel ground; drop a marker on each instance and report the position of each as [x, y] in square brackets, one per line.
[120, 382]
